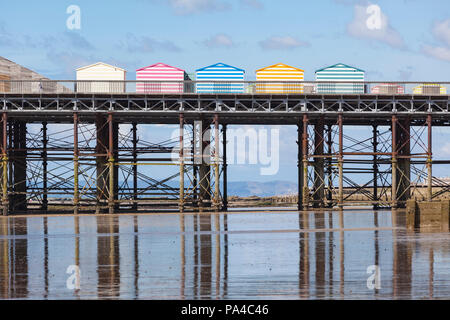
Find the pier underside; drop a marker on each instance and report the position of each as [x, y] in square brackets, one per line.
[91, 153]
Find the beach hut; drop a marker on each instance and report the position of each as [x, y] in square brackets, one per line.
[5, 84]
[430, 88]
[388, 88]
[154, 76]
[280, 78]
[110, 79]
[337, 73]
[224, 79]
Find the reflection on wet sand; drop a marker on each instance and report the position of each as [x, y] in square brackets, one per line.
[304, 255]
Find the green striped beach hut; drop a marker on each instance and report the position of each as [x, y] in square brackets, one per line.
[340, 72]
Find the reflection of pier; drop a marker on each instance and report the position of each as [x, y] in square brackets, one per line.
[327, 260]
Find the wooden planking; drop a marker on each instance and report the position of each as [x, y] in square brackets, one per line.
[223, 75]
[276, 79]
[5, 85]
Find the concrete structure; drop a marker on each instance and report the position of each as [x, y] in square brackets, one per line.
[428, 215]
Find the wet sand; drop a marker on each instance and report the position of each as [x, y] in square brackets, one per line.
[246, 255]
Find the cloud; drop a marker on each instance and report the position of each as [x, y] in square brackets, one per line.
[252, 4]
[358, 28]
[220, 40]
[441, 31]
[146, 44]
[405, 74]
[77, 41]
[439, 53]
[282, 43]
[186, 7]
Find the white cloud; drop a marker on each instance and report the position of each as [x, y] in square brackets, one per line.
[185, 7]
[282, 43]
[441, 31]
[219, 41]
[254, 4]
[445, 150]
[385, 33]
[133, 43]
[440, 53]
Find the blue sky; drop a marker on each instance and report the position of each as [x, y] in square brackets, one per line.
[412, 45]
[247, 33]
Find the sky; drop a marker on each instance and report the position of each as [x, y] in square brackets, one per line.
[412, 42]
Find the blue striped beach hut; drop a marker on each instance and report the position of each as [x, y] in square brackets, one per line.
[340, 72]
[222, 76]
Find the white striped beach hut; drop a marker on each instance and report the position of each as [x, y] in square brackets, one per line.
[280, 78]
[153, 78]
[340, 72]
[110, 79]
[221, 76]
[430, 88]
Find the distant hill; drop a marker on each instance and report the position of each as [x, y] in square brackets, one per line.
[261, 189]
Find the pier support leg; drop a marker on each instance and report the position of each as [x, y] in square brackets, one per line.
[394, 162]
[225, 168]
[19, 197]
[44, 155]
[305, 153]
[135, 167]
[112, 171]
[329, 167]
[107, 172]
[4, 151]
[375, 166]
[403, 161]
[76, 155]
[217, 204]
[341, 161]
[205, 168]
[319, 169]
[300, 164]
[429, 160]
[181, 204]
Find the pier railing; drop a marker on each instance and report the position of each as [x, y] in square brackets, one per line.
[223, 87]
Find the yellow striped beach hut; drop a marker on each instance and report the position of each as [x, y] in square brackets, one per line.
[279, 78]
[430, 88]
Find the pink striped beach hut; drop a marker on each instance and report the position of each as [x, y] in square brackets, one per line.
[155, 75]
[388, 88]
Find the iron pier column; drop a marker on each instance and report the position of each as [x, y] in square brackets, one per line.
[181, 205]
[76, 155]
[429, 160]
[319, 172]
[341, 161]
[305, 153]
[44, 155]
[225, 168]
[135, 167]
[300, 164]
[375, 166]
[394, 162]
[4, 150]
